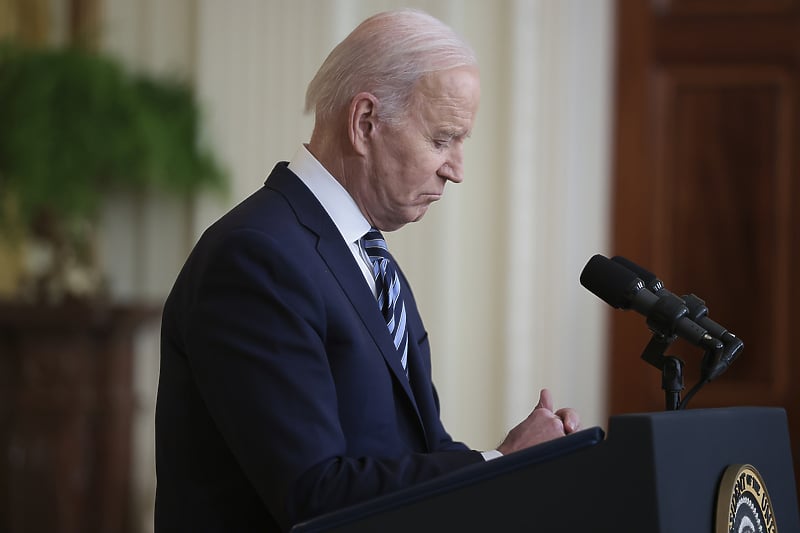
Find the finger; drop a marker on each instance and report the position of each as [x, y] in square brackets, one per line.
[570, 418]
[545, 400]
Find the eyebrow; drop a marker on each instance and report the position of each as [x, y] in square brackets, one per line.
[454, 133]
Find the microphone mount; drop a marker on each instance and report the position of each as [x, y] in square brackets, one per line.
[672, 381]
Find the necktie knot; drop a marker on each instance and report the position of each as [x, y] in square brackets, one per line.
[375, 245]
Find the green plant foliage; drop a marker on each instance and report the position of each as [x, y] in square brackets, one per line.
[74, 125]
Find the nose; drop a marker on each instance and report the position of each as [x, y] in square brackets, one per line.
[453, 167]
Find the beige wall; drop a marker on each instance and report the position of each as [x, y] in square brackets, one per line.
[494, 265]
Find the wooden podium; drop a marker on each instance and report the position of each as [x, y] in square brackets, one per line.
[654, 473]
[66, 403]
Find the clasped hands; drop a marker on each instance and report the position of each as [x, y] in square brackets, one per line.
[543, 424]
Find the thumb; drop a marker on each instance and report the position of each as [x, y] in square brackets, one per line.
[545, 400]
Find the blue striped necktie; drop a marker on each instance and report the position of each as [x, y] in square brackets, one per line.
[387, 285]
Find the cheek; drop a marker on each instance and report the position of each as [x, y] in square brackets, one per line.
[431, 166]
[425, 160]
[412, 167]
[420, 172]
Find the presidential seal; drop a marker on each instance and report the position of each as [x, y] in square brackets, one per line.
[743, 503]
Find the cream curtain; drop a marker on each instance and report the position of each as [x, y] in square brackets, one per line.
[494, 265]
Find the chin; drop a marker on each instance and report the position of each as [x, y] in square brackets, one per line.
[420, 215]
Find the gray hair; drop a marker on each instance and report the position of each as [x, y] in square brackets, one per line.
[386, 55]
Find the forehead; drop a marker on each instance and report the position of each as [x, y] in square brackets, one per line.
[454, 82]
[449, 97]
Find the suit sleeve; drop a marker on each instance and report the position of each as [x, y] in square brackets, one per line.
[254, 336]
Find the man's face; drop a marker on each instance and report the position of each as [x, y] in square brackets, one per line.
[412, 161]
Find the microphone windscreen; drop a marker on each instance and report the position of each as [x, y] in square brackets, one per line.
[610, 281]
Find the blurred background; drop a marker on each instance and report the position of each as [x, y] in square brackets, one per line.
[661, 130]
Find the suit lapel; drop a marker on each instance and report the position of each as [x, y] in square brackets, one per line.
[341, 263]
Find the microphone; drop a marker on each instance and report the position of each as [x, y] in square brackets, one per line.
[666, 314]
[697, 310]
[698, 313]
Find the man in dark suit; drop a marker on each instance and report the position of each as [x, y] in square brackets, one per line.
[283, 394]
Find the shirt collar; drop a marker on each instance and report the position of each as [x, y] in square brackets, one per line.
[336, 201]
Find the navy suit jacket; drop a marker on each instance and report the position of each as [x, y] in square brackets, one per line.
[281, 395]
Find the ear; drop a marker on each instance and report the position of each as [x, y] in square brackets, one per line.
[362, 121]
